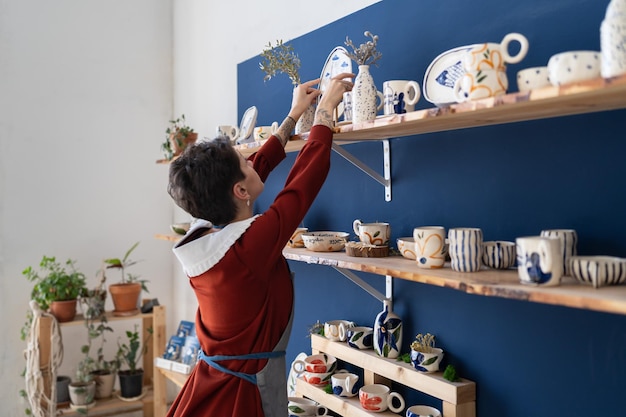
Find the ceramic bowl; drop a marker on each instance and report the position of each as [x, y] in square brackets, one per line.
[532, 78]
[499, 254]
[406, 246]
[325, 241]
[598, 270]
[422, 411]
[574, 66]
[180, 228]
[427, 362]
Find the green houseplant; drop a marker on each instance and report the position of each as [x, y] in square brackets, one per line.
[129, 354]
[57, 287]
[178, 136]
[125, 294]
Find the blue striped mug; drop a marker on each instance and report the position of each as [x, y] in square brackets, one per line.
[466, 247]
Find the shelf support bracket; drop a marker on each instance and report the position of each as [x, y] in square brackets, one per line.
[383, 180]
[367, 287]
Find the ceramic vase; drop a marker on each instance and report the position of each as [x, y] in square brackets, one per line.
[363, 96]
[305, 123]
[387, 332]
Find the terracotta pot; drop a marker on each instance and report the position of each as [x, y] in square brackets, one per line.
[125, 298]
[63, 310]
[178, 143]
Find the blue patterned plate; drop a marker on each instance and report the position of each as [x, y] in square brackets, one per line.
[441, 75]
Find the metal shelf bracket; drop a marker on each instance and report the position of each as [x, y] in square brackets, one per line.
[367, 287]
[383, 180]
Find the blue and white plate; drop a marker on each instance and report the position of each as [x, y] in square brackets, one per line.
[441, 75]
[336, 63]
[248, 121]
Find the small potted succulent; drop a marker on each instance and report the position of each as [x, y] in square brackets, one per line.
[425, 357]
[178, 136]
[57, 287]
[125, 294]
[281, 58]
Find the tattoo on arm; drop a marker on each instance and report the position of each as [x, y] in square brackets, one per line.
[284, 131]
[324, 117]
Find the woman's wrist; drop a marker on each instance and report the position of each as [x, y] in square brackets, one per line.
[284, 130]
[324, 117]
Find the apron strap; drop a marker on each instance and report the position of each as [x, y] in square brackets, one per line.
[212, 361]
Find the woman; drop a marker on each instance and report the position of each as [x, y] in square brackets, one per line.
[241, 280]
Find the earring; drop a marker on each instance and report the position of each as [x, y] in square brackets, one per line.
[248, 202]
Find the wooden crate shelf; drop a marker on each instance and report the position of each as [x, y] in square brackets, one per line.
[458, 398]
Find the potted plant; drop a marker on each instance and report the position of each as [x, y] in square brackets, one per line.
[177, 137]
[281, 58]
[125, 294]
[128, 356]
[93, 300]
[57, 287]
[425, 357]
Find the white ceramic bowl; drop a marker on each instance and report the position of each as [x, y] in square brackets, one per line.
[598, 270]
[325, 241]
[574, 66]
[532, 78]
[406, 246]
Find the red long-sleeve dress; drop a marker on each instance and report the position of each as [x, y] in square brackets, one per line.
[244, 290]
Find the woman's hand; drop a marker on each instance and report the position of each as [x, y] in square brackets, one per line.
[303, 96]
[331, 98]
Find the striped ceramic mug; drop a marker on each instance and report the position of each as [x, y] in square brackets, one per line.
[499, 254]
[569, 241]
[466, 246]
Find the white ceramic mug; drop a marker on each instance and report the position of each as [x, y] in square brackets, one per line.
[377, 398]
[499, 254]
[532, 78]
[574, 66]
[231, 132]
[347, 106]
[495, 56]
[569, 242]
[304, 407]
[319, 363]
[335, 330]
[422, 411]
[475, 85]
[466, 246]
[400, 96]
[264, 132]
[539, 260]
[430, 247]
[360, 337]
[344, 384]
[372, 233]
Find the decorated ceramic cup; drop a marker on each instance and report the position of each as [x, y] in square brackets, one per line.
[422, 411]
[427, 361]
[231, 132]
[264, 132]
[430, 246]
[360, 337]
[495, 56]
[569, 242]
[466, 245]
[372, 233]
[304, 407]
[295, 241]
[400, 96]
[378, 398]
[475, 85]
[539, 260]
[532, 78]
[336, 330]
[574, 66]
[499, 254]
[344, 384]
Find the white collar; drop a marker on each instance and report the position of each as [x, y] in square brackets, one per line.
[200, 255]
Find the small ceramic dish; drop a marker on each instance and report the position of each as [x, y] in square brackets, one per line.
[598, 270]
[325, 241]
[441, 75]
[180, 228]
[406, 246]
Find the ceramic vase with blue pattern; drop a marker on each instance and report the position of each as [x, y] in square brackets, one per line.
[387, 332]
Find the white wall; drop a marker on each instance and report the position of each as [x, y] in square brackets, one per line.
[86, 89]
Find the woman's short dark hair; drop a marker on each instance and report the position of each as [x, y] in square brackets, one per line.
[202, 178]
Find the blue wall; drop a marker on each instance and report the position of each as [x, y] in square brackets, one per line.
[511, 180]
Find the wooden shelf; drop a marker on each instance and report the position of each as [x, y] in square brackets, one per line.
[110, 406]
[584, 97]
[79, 320]
[176, 377]
[487, 282]
[458, 398]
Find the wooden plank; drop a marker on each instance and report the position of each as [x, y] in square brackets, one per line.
[487, 282]
[158, 347]
[43, 340]
[112, 406]
[459, 410]
[433, 384]
[176, 377]
[80, 321]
